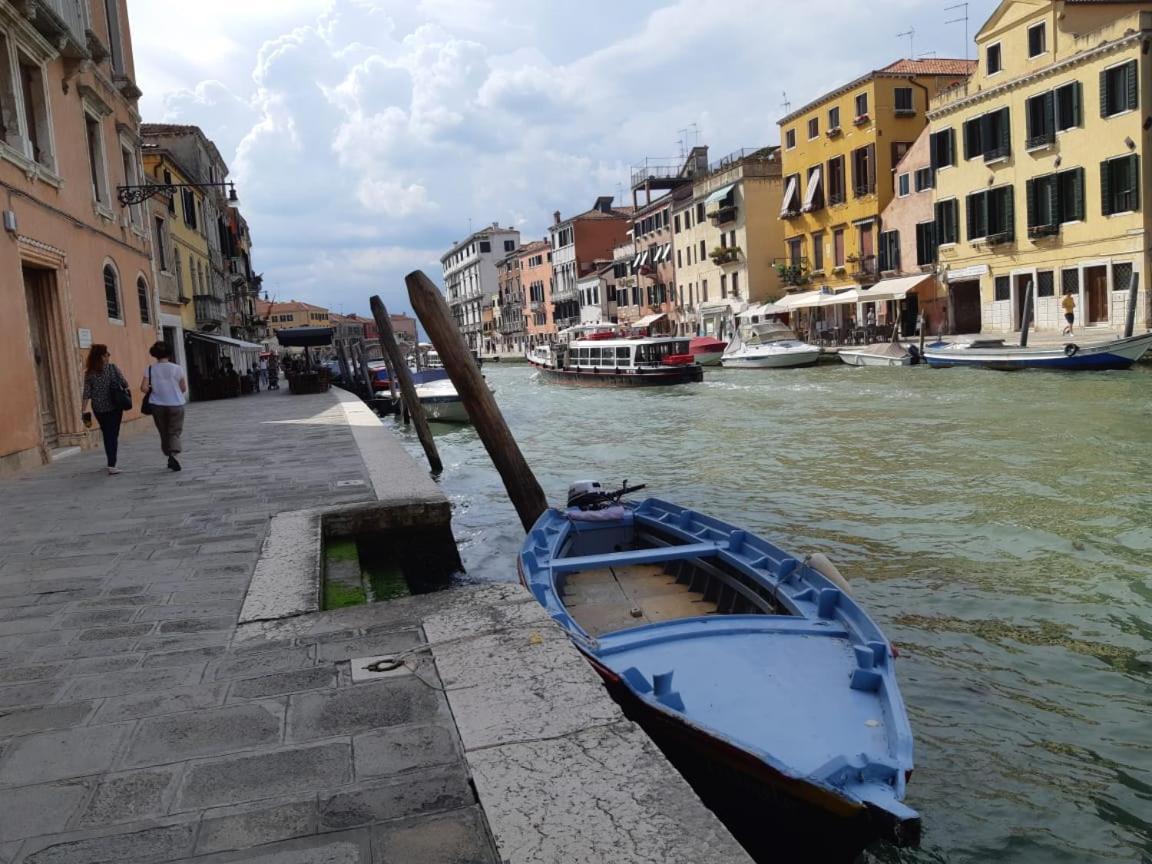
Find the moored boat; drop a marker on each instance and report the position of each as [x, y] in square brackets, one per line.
[884, 354]
[609, 358]
[768, 345]
[707, 350]
[994, 354]
[763, 680]
[441, 401]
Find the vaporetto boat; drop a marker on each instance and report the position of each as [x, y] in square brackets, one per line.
[608, 358]
[994, 354]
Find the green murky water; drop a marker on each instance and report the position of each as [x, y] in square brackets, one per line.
[997, 526]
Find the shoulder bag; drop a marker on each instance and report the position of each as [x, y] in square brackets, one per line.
[146, 405]
[121, 395]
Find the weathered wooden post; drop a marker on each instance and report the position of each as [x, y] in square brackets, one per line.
[400, 372]
[365, 372]
[1026, 315]
[338, 344]
[1130, 313]
[525, 492]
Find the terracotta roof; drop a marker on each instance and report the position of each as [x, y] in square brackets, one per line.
[931, 66]
[533, 247]
[288, 306]
[169, 129]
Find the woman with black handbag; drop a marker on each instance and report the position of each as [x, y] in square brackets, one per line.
[164, 387]
[107, 389]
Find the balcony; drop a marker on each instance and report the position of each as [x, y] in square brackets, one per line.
[209, 311]
[725, 255]
[724, 214]
[64, 23]
[791, 272]
[1043, 230]
[1043, 139]
[999, 239]
[862, 189]
[861, 119]
[997, 154]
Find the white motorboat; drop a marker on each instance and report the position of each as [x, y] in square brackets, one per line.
[768, 345]
[885, 354]
[442, 404]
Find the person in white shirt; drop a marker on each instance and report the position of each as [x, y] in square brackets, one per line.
[165, 385]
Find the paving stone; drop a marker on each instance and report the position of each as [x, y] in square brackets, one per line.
[125, 590]
[346, 711]
[11, 674]
[77, 650]
[123, 631]
[251, 665]
[101, 665]
[198, 625]
[21, 721]
[157, 642]
[367, 646]
[93, 617]
[252, 776]
[208, 608]
[208, 595]
[284, 682]
[133, 681]
[457, 837]
[61, 754]
[165, 702]
[347, 847]
[33, 693]
[131, 796]
[165, 843]
[107, 602]
[403, 748]
[29, 811]
[211, 732]
[240, 828]
[19, 642]
[424, 792]
[184, 657]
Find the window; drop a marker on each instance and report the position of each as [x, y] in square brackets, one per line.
[1121, 276]
[899, 150]
[676, 223]
[1053, 199]
[703, 290]
[142, 296]
[813, 194]
[813, 128]
[864, 170]
[723, 285]
[904, 106]
[111, 291]
[862, 106]
[509, 245]
[833, 119]
[838, 247]
[37, 125]
[837, 193]
[485, 246]
[925, 243]
[188, 200]
[1070, 281]
[818, 251]
[736, 285]
[903, 185]
[679, 262]
[943, 147]
[1041, 116]
[1045, 283]
[1119, 185]
[988, 136]
[161, 254]
[131, 178]
[703, 251]
[1003, 288]
[1037, 41]
[990, 215]
[9, 124]
[1068, 111]
[889, 251]
[112, 17]
[789, 139]
[795, 251]
[700, 212]
[925, 179]
[95, 143]
[1118, 89]
[992, 59]
[947, 221]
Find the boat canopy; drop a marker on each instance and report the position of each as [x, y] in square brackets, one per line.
[304, 337]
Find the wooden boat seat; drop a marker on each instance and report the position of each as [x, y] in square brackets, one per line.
[639, 556]
[604, 600]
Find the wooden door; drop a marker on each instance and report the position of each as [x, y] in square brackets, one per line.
[965, 306]
[1096, 290]
[36, 301]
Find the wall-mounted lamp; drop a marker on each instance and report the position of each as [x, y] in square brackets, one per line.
[136, 194]
[1131, 144]
[1058, 161]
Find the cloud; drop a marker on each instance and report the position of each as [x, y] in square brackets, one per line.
[365, 135]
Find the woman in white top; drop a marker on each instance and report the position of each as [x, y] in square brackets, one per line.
[165, 385]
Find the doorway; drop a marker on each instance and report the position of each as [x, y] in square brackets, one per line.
[965, 298]
[38, 296]
[1096, 291]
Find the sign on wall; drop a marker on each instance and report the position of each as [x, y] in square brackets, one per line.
[84, 338]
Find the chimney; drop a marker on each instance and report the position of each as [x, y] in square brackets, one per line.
[603, 204]
[496, 225]
[556, 217]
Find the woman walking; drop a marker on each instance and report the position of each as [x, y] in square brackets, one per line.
[165, 385]
[102, 379]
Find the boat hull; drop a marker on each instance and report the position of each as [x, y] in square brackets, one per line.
[708, 358]
[443, 409]
[658, 377]
[1120, 354]
[861, 358]
[781, 360]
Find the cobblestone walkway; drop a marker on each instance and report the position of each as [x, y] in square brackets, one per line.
[135, 727]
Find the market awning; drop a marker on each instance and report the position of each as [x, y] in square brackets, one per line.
[892, 289]
[813, 188]
[852, 295]
[647, 321]
[765, 309]
[642, 259]
[789, 194]
[226, 340]
[803, 300]
[720, 194]
[304, 337]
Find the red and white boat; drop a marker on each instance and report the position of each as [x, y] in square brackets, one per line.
[707, 350]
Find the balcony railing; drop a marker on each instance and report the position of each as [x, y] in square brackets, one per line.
[1043, 139]
[61, 22]
[862, 189]
[995, 154]
[208, 310]
[1043, 230]
[724, 214]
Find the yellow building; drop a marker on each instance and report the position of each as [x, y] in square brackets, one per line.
[838, 155]
[189, 262]
[1039, 176]
[286, 314]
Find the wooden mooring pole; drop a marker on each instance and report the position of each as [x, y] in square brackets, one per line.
[1026, 315]
[525, 492]
[1130, 312]
[365, 372]
[400, 372]
[345, 367]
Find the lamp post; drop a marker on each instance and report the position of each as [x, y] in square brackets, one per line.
[129, 195]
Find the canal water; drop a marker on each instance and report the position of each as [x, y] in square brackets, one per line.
[997, 526]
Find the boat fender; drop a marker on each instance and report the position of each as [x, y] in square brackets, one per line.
[819, 562]
[1071, 349]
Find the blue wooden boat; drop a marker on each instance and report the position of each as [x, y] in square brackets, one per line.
[994, 354]
[768, 686]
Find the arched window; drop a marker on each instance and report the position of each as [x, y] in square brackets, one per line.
[112, 291]
[142, 295]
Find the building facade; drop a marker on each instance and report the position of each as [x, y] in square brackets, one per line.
[536, 280]
[471, 281]
[653, 286]
[75, 263]
[726, 238]
[510, 309]
[1042, 175]
[837, 153]
[577, 244]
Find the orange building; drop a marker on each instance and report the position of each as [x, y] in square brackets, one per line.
[76, 266]
[536, 282]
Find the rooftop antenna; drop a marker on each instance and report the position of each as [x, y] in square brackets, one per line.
[963, 17]
[911, 34]
[683, 142]
[695, 130]
[469, 226]
[786, 105]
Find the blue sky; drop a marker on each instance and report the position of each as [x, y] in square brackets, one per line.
[366, 135]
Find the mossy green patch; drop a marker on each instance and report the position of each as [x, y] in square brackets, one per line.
[387, 582]
[341, 550]
[338, 595]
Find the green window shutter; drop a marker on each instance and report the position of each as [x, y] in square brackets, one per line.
[1077, 196]
[1130, 76]
[934, 148]
[1030, 194]
[954, 220]
[1077, 104]
[1134, 175]
[1055, 212]
[1104, 93]
[1008, 211]
[972, 202]
[1049, 112]
[1005, 142]
[950, 146]
[1105, 188]
[970, 128]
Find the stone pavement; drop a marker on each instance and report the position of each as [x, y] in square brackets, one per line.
[133, 727]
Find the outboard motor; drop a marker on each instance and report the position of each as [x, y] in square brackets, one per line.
[917, 358]
[586, 494]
